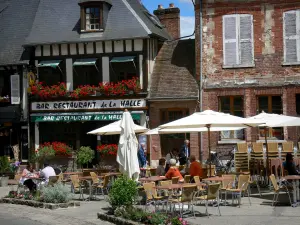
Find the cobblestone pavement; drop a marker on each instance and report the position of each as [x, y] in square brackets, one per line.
[259, 212]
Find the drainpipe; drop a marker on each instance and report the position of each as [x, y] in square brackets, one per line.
[201, 80]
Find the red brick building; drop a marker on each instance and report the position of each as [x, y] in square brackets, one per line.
[248, 61]
[173, 91]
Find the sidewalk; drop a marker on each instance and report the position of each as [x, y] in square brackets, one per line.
[260, 212]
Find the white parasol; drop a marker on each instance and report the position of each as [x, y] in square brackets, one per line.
[127, 149]
[210, 120]
[114, 128]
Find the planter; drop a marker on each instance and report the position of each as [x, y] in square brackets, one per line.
[38, 204]
[4, 181]
[109, 160]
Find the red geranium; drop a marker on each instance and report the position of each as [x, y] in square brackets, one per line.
[60, 148]
[110, 149]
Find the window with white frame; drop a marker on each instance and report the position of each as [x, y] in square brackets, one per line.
[238, 45]
[291, 33]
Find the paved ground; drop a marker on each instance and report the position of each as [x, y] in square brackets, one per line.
[260, 212]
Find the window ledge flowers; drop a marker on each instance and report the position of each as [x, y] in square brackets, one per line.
[124, 87]
[108, 149]
[4, 98]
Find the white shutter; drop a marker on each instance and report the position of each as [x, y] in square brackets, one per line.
[246, 39]
[15, 89]
[230, 37]
[291, 36]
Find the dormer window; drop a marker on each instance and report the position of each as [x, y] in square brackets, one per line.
[92, 18]
[93, 14]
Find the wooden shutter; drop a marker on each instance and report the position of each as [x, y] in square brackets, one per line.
[230, 37]
[246, 39]
[291, 36]
[15, 89]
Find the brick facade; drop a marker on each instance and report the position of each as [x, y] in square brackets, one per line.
[268, 77]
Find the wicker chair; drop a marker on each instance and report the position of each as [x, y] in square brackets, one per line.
[278, 188]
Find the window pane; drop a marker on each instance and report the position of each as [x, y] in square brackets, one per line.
[87, 10]
[225, 104]
[298, 104]
[276, 104]
[263, 104]
[174, 115]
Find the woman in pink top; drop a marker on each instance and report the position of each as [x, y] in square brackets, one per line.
[28, 173]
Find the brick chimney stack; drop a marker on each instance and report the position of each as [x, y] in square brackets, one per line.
[170, 17]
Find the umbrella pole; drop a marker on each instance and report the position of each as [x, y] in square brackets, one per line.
[267, 152]
[209, 150]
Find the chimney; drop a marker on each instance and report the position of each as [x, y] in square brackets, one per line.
[170, 17]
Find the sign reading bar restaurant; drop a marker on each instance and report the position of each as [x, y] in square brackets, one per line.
[73, 118]
[90, 104]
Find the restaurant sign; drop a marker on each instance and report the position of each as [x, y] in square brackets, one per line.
[82, 117]
[89, 104]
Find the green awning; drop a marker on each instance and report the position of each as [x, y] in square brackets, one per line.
[85, 62]
[74, 117]
[123, 59]
[50, 63]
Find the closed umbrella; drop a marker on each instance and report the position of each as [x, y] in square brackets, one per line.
[274, 120]
[127, 149]
[210, 120]
[115, 128]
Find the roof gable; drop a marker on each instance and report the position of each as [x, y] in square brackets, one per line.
[58, 21]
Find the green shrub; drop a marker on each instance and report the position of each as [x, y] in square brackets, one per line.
[123, 192]
[4, 164]
[85, 155]
[156, 219]
[56, 194]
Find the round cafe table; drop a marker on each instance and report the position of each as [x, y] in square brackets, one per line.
[152, 179]
[296, 195]
[178, 186]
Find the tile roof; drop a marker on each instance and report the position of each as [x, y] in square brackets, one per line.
[16, 19]
[173, 75]
[58, 21]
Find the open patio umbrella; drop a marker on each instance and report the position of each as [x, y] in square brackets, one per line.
[210, 120]
[127, 149]
[115, 128]
[274, 120]
[187, 130]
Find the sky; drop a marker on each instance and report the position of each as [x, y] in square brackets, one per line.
[186, 11]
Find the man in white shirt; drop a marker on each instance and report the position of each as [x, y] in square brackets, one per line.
[47, 172]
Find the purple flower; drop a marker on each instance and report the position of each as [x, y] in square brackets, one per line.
[17, 164]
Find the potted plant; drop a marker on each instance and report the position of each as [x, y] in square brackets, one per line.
[84, 155]
[44, 152]
[4, 171]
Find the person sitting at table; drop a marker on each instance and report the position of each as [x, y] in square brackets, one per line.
[160, 170]
[289, 165]
[173, 171]
[47, 172]
[173, 154]
[195, 167]
[28, 173]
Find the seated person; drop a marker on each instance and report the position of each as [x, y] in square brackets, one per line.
[47, 172]
[173, 171]
[289, 165]
[25, 179]
[195, 167]
[160, 170]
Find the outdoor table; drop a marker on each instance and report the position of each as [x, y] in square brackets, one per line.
[296, 195]
[72, 173]
[152, 179]
[218, 179]
[178, 186]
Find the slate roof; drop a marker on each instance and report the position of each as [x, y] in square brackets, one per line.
[58, 21]
[16, 18]
[173, 75]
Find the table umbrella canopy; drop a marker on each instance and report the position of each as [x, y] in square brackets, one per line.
[211, 119]
[127, 149]
[188, 130]
[276, 120]
[115, 128]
